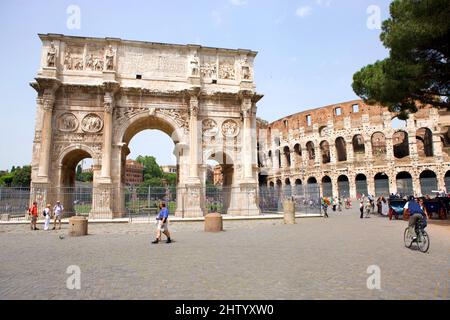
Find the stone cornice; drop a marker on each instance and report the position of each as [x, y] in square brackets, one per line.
[42, 84]
[61, 37]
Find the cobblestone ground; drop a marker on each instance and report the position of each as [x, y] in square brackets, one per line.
[314, 259]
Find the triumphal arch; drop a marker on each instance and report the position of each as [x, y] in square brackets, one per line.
[95, 94]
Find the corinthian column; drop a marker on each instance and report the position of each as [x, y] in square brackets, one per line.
[193, 139]
[193, 195]
[245, 201]
[247, 139]
[48, 102]
[107, 137]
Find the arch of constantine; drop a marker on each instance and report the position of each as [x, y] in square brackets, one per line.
[94, 95]
[353, 148]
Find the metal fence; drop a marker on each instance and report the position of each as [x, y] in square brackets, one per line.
[142, 204]
[14, 202]
[306, 198]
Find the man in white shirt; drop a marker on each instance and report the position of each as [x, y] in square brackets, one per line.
[57, 211]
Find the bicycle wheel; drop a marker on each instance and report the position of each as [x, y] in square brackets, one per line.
[408, 239]
[423, 242]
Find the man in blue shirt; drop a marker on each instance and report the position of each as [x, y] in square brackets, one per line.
[161, 220]
[416, 213]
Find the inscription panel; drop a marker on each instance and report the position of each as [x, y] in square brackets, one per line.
[152, 63]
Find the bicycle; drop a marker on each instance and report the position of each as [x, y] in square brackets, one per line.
[422, 239]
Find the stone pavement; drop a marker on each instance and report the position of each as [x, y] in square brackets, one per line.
[315, 259]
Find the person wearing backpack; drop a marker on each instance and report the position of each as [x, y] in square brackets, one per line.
[415, 214]
[46, 213]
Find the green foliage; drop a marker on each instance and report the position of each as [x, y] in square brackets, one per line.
[84, 176]
[153, 175]
[171, 178]
[151, 168]
[6, 179]
[151, 182]
[417, 69]
[79, 170]
[18, 177]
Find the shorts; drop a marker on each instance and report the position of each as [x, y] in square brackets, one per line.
[162, 226]
[33, 218]
[58, 217]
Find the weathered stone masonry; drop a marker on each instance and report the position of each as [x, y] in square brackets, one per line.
[95, 94]
[351, 148]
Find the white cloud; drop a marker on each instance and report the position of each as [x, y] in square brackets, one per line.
[238, 2]
[303, 11]
[217, 17]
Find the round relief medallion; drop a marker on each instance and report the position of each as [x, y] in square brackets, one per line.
[67, 122]
[230, 128]
[209, 127]
[92, 123]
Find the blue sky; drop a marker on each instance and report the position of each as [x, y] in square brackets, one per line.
[308, 51]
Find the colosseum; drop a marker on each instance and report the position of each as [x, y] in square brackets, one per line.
[352, 148]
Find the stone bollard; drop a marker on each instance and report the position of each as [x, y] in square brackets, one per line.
[213, 222]
[78, 226]
[289, 211]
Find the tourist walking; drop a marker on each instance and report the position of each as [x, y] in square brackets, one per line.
[325, 203]
[57, 211]
[33, 212]
[361, 209]
[384, 207]
[47, 215]
[339, 204]
[162, 225]
[368, 208]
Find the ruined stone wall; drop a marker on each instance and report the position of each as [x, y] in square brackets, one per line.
[352, 148]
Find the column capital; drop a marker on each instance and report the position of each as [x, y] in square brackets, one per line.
[193, 105]
[48, 102]
[108, 102]
[111, 87]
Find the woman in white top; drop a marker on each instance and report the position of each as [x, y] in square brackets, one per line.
[47, 213]
[384, 207]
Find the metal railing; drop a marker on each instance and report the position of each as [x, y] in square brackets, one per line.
[143, 203]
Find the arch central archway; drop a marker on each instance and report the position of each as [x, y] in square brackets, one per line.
[159, 121]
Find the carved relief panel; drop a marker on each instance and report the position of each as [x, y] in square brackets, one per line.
[230, 128]
[73, 57]
[209, 127]
[226, 68]
[94, 57]
[92, 123]
[208, 67]
[67, 122]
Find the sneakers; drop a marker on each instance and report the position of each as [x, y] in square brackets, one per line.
[157, 241]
